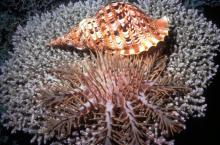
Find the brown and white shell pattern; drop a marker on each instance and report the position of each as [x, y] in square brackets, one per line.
[118, 27]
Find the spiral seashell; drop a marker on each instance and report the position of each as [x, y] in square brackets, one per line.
[118, 27]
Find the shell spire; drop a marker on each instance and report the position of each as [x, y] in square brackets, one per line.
[118, 27]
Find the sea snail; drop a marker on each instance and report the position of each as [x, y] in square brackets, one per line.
[119, 27]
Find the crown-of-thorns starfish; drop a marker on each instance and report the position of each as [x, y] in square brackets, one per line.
[118, 27]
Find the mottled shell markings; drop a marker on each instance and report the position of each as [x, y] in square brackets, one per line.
[118, 27]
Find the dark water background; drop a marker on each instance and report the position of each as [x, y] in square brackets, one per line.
[200, 131]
